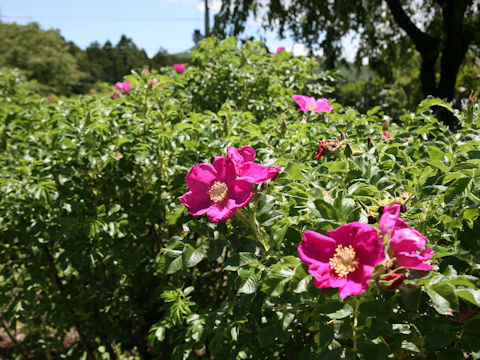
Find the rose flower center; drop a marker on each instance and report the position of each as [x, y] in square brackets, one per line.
[218, 191]
[344, 261]
[311, 106]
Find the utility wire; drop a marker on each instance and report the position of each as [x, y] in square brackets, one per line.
[96, 18]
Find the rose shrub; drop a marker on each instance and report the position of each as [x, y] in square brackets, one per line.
[97, 244]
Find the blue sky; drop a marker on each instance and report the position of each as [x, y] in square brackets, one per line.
[151, 24]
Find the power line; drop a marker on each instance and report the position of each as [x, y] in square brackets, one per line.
[83, 18]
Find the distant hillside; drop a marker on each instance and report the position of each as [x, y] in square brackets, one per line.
[62, 67]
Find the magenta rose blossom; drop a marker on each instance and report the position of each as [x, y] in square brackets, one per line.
[310, 104]
[344, 259]
[179, 68]
[216, 190]
[405, 242]
[245, 167]
[123, 86]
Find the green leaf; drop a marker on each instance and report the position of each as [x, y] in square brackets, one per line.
[469, 294]
[192, 256]
[160, 333]
[293, 171]
[238, 260]
[443, 297]
[338, 310]
[454, 190]
[247, 281]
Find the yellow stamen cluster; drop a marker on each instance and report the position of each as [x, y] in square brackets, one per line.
[344, 261]
[218, 191]
[311, 106]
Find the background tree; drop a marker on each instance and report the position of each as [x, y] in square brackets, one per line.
[43, 55]
[440, 31]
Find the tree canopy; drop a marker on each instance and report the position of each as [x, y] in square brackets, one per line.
[388, 31]
[61, 67]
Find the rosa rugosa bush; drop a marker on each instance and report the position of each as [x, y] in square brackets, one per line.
[99, 257]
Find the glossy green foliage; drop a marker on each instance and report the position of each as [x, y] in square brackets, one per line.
[94, 237]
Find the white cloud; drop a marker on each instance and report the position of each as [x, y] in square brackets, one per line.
[299, 50]
[213, 5]
[350, 46]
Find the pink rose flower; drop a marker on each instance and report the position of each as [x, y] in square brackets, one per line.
[310, 104]
[280, 49]
[405, 242]
[122, 86]
[387, 136]
[245, 167]
[179, 67]
[115, 95]
[344, 259]
[216, 190]
[50, 100]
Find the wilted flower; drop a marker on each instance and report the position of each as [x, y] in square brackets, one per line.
[344, 259]
[216, 190]
[393, 280]
[118, 156]
[310, 104]
[179, 68]
[404, 241]
[244, 165]
[327, 147]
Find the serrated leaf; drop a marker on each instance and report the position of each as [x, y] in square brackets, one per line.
[455, 189]
[443, 297]
[192, 256]
[238, 260]
[174, 265]
[338, 310]
[293, 171]
[248, 281]
[469, 294]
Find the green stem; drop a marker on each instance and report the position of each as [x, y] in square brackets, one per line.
[356, 304]
[253, 225]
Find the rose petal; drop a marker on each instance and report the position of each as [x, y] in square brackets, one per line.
[221, 211]
[258, 172]
[226, 172]
[407, 240]
[316, 248]
[321, 274]
[196, 203]
[246, 153]
[241, 192]
[390, 221]
[357, 282]
[363, 238]
[201, 177]
[412, 260]
[301, 101]
[322, 106]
